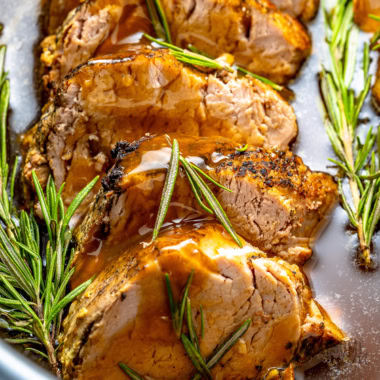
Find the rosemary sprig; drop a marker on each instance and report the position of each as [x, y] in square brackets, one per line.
[168, 188]
[33, 274]
[224, 347]
[178, 310]
[195, 57]
[192, 56]
[189, 57]
[191, 342]
[211, 200]
[158, 18]
[200, 190]
[242, 70]
[267, 81]
[356, 160]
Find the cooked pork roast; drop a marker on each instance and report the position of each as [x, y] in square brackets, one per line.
[305, 9]
[262, 39]
[125, 97]
[277, 203]
[124, 316]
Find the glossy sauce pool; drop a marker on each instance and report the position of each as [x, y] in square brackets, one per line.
[351, 296]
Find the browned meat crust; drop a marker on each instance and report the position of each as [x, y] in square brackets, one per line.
[57, 11]
[124, 314]
[262, 39]
[125, 97]
[305, 9]
[277, 203]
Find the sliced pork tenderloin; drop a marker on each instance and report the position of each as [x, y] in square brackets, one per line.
[261, 38]
[276, 203]
[125, 97]
[124, 316]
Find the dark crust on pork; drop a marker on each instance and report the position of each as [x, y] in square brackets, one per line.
[302, 197]
[244, 108]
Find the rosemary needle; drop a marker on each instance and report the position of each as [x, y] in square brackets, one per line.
[267, 81]
[130, 372]
[223, 348]
[197, 194]
[211, 200]
[200, 171]
[195, 357]
[182, 305]
[192, 56]
[168, 189]
[155, 19]
[190, 324]
[189, 57]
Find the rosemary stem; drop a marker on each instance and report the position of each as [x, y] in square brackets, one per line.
[52, 355]
[355, 193]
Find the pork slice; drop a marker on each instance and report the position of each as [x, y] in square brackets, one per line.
[276, 203]
[262, 39]
[125, 97]
[124, 316]
[305, 9]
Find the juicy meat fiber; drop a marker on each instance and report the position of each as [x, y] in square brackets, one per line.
[362, 10]
[305, 9]
[261, 38]
[125, 97]
[277, 203]
[124, 314]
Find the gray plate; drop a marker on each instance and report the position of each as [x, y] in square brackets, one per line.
[351, 297]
